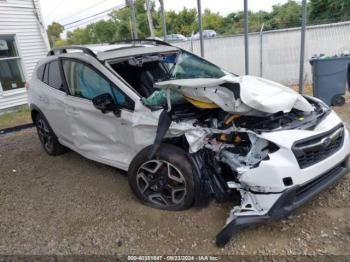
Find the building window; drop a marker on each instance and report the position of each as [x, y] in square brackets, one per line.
[11, 73]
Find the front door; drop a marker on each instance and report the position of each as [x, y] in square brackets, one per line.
[102, 137]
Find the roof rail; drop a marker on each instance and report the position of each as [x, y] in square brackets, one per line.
[63, 50]
[154, 41]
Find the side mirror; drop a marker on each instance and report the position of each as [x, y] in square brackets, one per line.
[105, 103]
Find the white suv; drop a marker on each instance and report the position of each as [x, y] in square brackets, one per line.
[188, 131]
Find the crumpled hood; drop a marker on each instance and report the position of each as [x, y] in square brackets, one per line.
[254, 94]
[270, 97]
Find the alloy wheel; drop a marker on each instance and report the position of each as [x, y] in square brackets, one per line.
[161, 183]
[45, 135]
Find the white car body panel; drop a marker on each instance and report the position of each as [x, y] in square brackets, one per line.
[107, 136]
[52, 102]
[283, 162]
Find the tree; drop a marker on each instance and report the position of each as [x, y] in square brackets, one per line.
[54, 32]
[60, 42]
[285, 16]
[213, 21]
[79, 36]
[118, 26]
[184, 22]
[259, 18]
[329, 10]
[122, 20]
[102, 31]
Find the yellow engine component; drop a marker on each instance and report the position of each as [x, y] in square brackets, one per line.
[237, 139]
[230, 119]
[201, 104]
[223, 137]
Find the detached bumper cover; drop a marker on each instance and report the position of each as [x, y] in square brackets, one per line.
[290, 200]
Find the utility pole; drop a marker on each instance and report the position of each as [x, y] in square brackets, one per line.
[302, 47]
[53, 41]
[131, 5]
[131, 31]
[163, 19]
[261, 49]
[200, 25]
[149, 16]
[246, 44]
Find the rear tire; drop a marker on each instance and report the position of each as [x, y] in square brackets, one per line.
[165, 181]
[47, 137]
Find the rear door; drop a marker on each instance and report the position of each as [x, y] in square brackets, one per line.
[51, 99]
[103, 137]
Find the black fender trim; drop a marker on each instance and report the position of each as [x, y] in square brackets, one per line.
[33, 108]
[164, 123]
[210, 182]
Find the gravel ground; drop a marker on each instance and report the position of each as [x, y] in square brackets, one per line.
[71, 205]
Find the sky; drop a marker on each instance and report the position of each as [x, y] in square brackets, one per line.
[67, 11]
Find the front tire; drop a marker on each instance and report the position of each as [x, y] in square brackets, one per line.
[165, 181]
[47, 137]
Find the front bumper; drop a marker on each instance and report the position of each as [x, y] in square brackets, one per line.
[291, 199]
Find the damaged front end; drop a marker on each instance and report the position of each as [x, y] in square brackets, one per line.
[238, 133]
[226, 150]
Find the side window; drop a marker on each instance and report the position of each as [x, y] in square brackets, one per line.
[55, 79]
[46, 74]
[40, 72]
[85, 82]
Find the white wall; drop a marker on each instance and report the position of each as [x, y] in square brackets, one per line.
[281, 50]
[19, 18]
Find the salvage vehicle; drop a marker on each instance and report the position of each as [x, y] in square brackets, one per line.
[188, 131]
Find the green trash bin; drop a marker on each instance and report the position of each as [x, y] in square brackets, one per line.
[329, 75]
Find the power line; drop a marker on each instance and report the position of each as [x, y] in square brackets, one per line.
[85, 22]
[81, 11]
[105, 11]
[93, 18]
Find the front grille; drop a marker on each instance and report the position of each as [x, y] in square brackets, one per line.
[306, 188]
[315, 149]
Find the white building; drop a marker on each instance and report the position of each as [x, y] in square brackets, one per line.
[23, 41]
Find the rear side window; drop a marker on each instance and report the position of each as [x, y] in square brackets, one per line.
[55, 79]
[40, 72]
[46, 74]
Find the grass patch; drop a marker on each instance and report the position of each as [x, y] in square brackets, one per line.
[307, 89]
[18, 116]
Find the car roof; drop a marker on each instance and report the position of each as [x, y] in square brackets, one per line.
[114, 51]
[134, 51]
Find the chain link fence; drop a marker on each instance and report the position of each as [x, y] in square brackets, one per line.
[280, 50]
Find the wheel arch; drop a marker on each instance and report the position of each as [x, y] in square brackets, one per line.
[35, 111]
